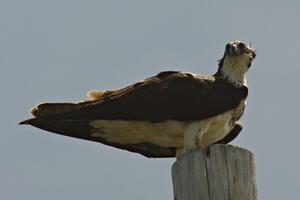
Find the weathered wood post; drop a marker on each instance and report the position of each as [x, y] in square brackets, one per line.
[219, 172]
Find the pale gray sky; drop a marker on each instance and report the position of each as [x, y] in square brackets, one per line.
[57, 50]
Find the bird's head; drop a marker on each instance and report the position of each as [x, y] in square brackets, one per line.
[236, 61]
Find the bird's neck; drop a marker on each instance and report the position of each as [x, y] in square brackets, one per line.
[233, 69]
[235, 77]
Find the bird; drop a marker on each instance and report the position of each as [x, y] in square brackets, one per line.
[162, 116]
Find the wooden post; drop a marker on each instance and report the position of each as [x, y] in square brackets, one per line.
[219, 172]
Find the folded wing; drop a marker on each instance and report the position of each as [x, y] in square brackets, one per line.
[167, 96]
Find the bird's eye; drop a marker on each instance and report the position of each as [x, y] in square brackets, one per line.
[241, 46]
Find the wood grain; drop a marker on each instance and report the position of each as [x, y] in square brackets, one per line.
[219, 172]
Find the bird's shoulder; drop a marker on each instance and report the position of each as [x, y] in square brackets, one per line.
[166, 80]
[178, 75]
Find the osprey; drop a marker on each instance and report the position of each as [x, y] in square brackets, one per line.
[162, 116]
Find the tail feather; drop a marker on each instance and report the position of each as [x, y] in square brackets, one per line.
[45, 109]
[28, 121]
[78, 128]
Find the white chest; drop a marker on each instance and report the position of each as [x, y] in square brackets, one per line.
[208, 131]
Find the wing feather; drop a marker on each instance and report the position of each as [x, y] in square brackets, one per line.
[169, 95]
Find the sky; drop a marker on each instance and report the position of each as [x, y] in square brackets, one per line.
[58, 50]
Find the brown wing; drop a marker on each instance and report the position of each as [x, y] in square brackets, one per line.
[169, 95]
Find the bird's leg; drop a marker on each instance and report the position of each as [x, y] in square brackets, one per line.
[193, 135]
[189, 139]
[179, 152]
